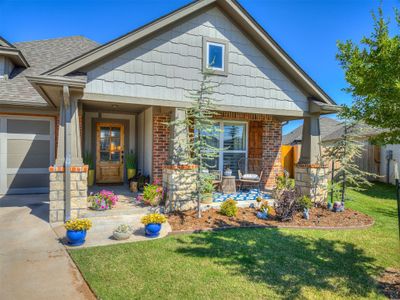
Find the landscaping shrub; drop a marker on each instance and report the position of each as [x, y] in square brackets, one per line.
[152, 194]
[286, 205]
[229, 208]
[304, 202]
[270, 209]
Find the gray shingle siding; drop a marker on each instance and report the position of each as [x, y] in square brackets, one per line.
[169, 66]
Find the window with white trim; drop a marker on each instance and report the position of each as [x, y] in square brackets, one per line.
[215, 56]
[232, 140]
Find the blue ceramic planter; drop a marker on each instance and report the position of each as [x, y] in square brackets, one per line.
[152, 230]
[76, 237]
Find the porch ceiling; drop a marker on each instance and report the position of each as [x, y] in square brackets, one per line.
[95, 106]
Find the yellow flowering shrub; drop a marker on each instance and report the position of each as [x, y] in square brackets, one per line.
[153, 218]
[229, 208]
[78, 224]
[265, 206]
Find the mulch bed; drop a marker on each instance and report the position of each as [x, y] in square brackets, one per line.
[246, 217]
[389, 283]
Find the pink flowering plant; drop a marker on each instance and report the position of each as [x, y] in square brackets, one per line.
[152, 194]
[102, 200]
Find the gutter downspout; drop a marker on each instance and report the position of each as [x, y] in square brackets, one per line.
[67, 183]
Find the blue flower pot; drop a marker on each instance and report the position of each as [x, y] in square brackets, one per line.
[152, 230]
[76, 237]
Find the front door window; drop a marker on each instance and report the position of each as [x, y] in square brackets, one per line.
[110, 153]
[110, 144]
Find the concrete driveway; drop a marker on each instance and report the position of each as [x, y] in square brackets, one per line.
[33, 264]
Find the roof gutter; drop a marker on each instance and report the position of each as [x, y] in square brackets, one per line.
[15, 55]
[56, 81]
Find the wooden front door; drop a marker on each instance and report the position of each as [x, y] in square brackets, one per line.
[110, 153]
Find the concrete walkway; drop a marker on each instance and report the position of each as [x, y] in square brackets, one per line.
[33, 264]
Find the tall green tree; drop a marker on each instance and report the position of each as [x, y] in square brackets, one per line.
[199, 146]
[372, 70]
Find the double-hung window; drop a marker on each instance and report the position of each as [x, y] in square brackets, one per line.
[232, 142]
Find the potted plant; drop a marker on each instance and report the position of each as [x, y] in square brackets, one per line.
[122, 232]
[88, 160]
[152, 194]
[76, 231]
[152, 224]
[102, 200]
[130, 162]
[305, 204]
[207, 189]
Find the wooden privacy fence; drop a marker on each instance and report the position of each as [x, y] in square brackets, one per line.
[289, 157]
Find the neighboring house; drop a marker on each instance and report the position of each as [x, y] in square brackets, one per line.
[62, 97]
[327, 126]
[380, 160]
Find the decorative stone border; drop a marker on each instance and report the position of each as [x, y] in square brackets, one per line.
[85, 168]
[311, 166]
[365, 226]
[180, 167]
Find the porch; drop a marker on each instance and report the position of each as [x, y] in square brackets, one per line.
[109, 130]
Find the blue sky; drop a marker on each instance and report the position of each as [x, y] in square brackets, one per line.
[306, 29]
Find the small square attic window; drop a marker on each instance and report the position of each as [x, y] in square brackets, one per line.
[215, 56]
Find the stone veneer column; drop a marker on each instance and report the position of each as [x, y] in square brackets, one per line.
[57, 192]
[310, 172]
[312, 181]
[68, 177]
[179, 184]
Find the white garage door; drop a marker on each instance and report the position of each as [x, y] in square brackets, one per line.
[26, 152]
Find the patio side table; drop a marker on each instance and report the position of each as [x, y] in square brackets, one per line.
[228, 185]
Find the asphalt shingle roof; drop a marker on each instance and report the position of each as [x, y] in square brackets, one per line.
[42, 55]
[327, 126]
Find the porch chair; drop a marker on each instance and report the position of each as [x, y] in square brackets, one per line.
[250, 172]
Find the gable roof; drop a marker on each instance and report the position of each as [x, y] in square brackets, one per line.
[9, 50]
[360, 128]
[236, 13]
[6, 44]
[41, 55]
[327, 126]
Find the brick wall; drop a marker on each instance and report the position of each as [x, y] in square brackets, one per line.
[271, 142]
[271, 138]
[160, 143]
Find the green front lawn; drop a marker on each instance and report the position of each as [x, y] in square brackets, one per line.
[253, 263]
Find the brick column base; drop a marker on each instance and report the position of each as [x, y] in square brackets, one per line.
[179, 185]
[312, 181]
[57, 193]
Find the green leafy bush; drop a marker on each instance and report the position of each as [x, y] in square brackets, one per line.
[304, 202]
[229, 208]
